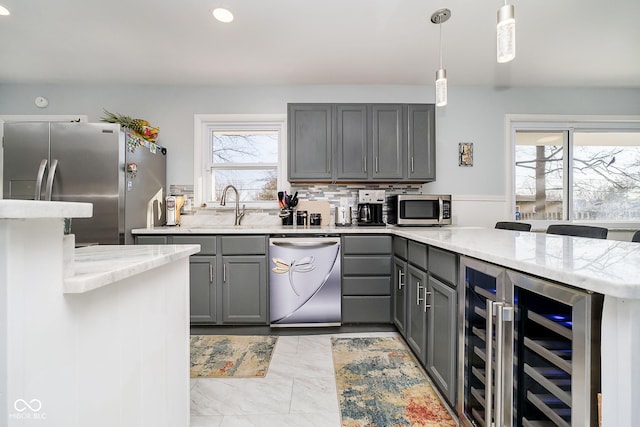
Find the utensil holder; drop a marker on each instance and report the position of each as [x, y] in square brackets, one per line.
[287, 216]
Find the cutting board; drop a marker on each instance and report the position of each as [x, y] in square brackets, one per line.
[316, 206]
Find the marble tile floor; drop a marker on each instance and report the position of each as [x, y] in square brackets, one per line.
[299, 389]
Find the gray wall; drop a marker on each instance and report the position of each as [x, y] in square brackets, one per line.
[474, 114]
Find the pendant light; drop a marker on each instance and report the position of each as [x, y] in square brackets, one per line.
[506, 33]
[438, 17]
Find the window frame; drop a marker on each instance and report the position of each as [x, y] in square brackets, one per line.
[560, 123]
[202, 125]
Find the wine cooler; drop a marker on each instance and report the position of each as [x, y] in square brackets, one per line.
[530, 354]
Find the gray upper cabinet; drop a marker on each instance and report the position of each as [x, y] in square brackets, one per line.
[387, 141]
[352, 142]
[310, 142]
[421, 136]
[361, 142]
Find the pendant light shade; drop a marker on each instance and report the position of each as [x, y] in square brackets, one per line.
[438, 17]
[441, 87]
[506, 33]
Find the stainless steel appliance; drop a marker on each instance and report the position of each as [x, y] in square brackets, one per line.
[305, 283]
[419, 209]
[370, 204]
[342, 216]
[529, 350]
[123, 176]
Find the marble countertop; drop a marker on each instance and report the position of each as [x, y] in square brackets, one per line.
[262, 229]
[609, 267]
[23, 209]
[97, 266]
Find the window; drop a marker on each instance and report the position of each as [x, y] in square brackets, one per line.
[577, 171]
[243, 151]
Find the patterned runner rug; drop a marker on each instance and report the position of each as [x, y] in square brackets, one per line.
[380, 385]
[231, 356]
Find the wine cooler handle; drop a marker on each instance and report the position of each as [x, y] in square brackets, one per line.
[488, 372]
[499, 381]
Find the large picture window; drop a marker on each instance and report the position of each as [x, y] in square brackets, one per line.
[584, 172]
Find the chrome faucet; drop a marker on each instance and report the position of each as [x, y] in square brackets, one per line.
[223, 202]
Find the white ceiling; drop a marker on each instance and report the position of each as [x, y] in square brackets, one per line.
[559, 42]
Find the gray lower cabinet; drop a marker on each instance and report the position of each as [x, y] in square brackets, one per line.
[441, 346]
[202, 289]
[416, 327]
[399, 294]
[442, 354]
[366, 279]
[228, 277]
[244, 289]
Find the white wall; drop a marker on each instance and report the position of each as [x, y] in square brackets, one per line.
[474, 114]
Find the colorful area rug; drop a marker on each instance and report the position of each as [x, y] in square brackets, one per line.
[380, 384]
[231, 356]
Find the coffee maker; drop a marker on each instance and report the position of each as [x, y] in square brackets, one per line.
[370, 203]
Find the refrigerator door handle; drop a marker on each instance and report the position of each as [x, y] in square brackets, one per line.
[488, 372]
[50, 177]
[40, 178]
[499, 383]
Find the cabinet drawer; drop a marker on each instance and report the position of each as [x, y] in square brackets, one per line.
[400, 247]
[417, 254]
[361, 245]
[377, 285]
[366, 265]
[444, 265]
[151, 240]
[207, 243]
[369, 309]
[243, 245]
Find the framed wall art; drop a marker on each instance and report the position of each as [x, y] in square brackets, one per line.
[465, 154]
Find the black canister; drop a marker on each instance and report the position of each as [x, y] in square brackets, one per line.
[301, 218]
[315, 219]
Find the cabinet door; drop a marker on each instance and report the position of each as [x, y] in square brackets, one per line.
[202, 276]
[244, 289]
[416, 312]
[310, 142]
[441, 354]
[421, 144]
[388, 152]
[399, 294]
[352, 142]
[150, 240]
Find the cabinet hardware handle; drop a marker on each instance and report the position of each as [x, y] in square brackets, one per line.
[488, 385]
[376, 163]
[210, 273]
[365, 163]
[418, 289]
[499, 385]
[400, 277]
[425, 300]
[224, 272]
[411, 163]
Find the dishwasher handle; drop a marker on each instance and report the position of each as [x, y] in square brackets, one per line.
[308, 243]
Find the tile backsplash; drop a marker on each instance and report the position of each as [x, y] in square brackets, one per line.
[335, 194]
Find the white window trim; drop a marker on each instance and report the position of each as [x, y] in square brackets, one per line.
[200, 146]
[555, 122]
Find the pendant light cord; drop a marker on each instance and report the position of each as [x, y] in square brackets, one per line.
[440, 25]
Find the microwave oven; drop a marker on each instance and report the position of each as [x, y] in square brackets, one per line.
[419, 209]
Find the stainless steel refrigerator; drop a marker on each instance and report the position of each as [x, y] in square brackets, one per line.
[123, 176]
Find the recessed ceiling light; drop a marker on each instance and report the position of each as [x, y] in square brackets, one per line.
[222, 15]
[4, 11]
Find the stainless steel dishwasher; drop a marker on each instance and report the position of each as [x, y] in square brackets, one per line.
[305, 283]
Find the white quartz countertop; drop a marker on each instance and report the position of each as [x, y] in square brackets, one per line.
[97, 266]
[609, 267]
[24, 209]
